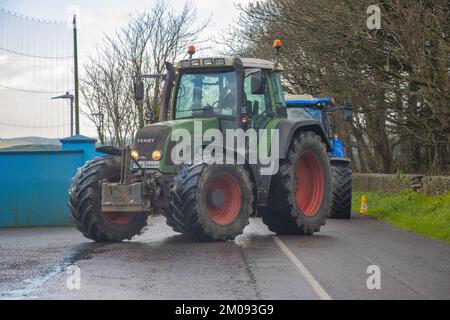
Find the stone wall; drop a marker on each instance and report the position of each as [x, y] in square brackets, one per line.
[393, 183]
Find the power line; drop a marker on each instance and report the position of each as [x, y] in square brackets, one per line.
[34, 127]
[35, 56]
[22, 16]
[32, 91]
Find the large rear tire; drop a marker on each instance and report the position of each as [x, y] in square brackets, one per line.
[299, 195]
[341, 199]
[211, 202]
[86, 209]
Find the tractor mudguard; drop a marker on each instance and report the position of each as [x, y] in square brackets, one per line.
[289, 127]
[111, 150]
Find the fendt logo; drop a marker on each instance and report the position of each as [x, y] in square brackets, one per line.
[148, 140]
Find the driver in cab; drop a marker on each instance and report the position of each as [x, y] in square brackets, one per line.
[228, 102]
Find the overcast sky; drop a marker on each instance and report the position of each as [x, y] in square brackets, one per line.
[27, 109]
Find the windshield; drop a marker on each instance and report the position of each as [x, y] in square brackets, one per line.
[305, 113]
[206, 95]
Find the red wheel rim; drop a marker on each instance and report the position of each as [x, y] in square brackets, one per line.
[119, 217]
[230, 191]
[309, 183]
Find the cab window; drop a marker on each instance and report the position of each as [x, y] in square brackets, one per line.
[206, 95]
[255, 104]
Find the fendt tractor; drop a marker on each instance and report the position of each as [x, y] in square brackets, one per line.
[111, 197]
[307, 107]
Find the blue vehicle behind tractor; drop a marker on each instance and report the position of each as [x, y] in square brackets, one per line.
[308, 107]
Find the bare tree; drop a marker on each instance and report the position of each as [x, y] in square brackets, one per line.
[142, 46]
[396, 77]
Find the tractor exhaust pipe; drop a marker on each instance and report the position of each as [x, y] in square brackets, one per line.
[167, 90]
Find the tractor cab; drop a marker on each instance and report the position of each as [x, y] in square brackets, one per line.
[239, 92]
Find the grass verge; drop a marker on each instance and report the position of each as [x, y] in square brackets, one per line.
[422, 214]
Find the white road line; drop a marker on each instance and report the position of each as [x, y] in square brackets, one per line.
[323, 295]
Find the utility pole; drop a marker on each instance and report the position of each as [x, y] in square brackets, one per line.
[75, 65]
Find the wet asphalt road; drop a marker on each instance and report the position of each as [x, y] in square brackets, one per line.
[161, 264]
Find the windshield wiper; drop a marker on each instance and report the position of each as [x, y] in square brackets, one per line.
[201, 109]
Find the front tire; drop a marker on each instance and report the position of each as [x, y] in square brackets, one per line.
[211, 202]
[86, 208]
[299, 195]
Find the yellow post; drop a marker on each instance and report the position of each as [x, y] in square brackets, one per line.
[364, 209]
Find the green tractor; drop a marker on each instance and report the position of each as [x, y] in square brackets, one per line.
[111, 197]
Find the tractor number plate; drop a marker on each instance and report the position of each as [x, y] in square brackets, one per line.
[146, 165]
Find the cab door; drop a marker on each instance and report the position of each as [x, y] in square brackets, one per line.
[257, 105]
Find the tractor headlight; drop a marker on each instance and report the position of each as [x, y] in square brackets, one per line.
[156, 155]
[134, 154]
[207, 62]
[220, 61]
[185, 63]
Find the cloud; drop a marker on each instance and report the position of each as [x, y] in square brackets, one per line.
[94, 19]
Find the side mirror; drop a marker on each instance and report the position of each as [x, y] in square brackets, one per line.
[258, 83]
[150, 115]
[347, 111]
[139, 90]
